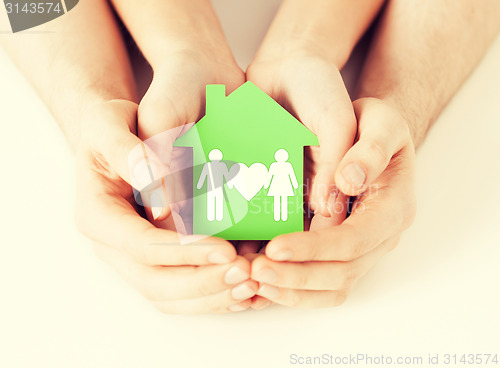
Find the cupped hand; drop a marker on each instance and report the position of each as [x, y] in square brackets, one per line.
[310, 87]
[177, 97]
[319, 267]
[200, 276]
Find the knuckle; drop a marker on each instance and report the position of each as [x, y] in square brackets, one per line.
[376, 152]
[354, 250]
[315, 250]
[349, 275]
[340, 297]
[206, 286]
[294, 299]
[301, 280]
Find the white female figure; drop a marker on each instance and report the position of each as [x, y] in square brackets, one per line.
[282, 181]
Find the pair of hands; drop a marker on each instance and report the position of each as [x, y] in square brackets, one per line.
[315, 268]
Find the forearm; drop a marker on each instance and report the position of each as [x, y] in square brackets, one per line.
[328, 28]
[74, 62]
[163, 28]
[422, 53]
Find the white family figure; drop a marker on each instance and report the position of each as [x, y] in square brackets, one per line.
[281, 181]
[214, 172]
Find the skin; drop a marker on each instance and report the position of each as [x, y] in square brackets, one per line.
[91, 92]
[394, 110]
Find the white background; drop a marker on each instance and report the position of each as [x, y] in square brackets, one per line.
[436, 293]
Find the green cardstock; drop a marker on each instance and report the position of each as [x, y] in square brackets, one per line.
[248, 155]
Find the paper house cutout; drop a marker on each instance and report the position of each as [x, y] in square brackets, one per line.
[230, 197]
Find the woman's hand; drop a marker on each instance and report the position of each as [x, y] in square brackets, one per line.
[318, 268]
[177, 97]
[202, 276]
[186, 47]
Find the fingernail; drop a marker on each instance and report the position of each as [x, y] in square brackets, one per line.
[235, 275]
[268, 291]
[242, 292]
[266, 275]
[218, 258]
[282, 255]
[156, 211]
[354, 174]
[237, 308]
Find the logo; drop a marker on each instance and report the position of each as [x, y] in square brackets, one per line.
[25, 14]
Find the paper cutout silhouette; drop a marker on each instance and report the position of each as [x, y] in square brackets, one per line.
[247, 180]
[214, 173]
[281, 182]
[249, 128]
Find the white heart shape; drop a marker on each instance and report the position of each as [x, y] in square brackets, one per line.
[248, 180]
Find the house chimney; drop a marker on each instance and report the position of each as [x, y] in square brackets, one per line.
[215, 95]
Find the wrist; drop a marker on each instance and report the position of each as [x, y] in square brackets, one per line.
[209, 55]
[176, 27]
[291, 41]
[330, 29]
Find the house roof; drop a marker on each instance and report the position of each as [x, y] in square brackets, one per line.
[246, 114]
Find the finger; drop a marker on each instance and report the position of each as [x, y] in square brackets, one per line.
[318, 275]
[170, 105]
[176, 96]
[382, 133]
[327, 110]
[303, 298]
[113, 221]
[381, 217]
[181, 282]
[217, 303]
[323, 105]
[110, 134]
[385, 209]
[162, 114]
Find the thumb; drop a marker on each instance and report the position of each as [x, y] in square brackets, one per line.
[382, 132]
[114, 145]
[331, 117]
[324, 106]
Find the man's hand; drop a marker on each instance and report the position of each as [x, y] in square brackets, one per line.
[318, 268]
[311, 88]
[203, 276]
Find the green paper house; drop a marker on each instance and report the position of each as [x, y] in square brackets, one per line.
[248, 155]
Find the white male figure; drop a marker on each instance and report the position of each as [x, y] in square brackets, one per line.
[214, 172]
